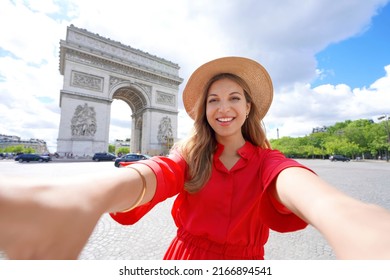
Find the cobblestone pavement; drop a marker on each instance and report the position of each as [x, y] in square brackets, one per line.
[149, 238]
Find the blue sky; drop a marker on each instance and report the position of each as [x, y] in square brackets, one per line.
[358, 61]
[329, 60]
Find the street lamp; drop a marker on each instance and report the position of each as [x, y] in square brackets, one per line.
[386, 119]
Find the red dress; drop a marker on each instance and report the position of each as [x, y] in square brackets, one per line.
[230, 217]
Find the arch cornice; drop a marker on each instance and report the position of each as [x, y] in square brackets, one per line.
[108, 65]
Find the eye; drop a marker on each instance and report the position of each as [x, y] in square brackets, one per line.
[211, 100]
[236, 98]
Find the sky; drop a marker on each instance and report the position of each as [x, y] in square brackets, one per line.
[329, 60]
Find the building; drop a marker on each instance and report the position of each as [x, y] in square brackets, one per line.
[98, 70]
[38, 145]
[122, 144]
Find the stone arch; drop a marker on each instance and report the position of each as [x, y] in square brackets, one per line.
[98, 70]
[132, 94]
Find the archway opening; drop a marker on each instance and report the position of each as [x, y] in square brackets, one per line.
[128, 103]
[120, 125]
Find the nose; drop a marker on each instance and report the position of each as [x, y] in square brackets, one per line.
[223, 107]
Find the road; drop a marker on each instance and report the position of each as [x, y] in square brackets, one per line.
[149, 238]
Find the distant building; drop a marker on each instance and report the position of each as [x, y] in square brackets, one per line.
[122, 143]
[38, 145]
[320, 129]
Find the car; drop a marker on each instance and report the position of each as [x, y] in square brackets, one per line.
[339, 158]
[103, 157]
[130, 158]
[7, 155]
[32, 157]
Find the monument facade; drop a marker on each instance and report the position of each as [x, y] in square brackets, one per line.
[98, 70]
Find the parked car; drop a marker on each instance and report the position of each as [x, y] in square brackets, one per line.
[339, 158]
[103, 157]
[7, 155]
[32, 157]
[130, 158]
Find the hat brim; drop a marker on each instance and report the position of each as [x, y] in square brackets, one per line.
[254, 74]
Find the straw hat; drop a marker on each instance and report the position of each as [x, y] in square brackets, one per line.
[250, 71]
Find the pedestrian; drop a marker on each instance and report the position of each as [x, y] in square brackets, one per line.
[231, 187]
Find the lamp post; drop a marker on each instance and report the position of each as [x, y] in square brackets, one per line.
[386, 120]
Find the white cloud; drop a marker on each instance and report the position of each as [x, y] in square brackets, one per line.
[297, 111]
[383, 84]
[285, 38]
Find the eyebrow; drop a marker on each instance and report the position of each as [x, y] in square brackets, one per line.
[234, 92]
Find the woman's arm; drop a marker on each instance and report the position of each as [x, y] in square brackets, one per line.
[354, 229]
[42, 219]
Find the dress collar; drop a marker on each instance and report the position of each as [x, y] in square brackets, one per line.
[246, 151]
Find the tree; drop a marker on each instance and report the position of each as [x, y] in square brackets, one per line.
[123, 150]
[350, 138]
[341, 146]
[111, 148]
[18, 149]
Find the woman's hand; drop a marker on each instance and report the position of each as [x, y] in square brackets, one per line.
[354, 229]
[53, 219]
[45, 222]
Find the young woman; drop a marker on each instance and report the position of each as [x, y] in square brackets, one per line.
[231, 187]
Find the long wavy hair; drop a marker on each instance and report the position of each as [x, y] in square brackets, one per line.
[199, 148]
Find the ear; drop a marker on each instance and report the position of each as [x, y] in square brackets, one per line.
[248, 108]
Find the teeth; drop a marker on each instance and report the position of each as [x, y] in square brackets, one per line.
[225, 119]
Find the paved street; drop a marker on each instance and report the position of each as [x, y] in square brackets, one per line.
[148, 239]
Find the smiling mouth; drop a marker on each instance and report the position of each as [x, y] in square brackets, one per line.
[225, 120]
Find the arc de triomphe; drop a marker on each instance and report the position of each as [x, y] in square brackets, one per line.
[97, 70]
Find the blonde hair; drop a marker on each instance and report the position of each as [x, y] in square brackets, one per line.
[199, 148]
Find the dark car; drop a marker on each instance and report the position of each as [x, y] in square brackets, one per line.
[339, 158]
[103, 157]
[130, 158]
[32, 157]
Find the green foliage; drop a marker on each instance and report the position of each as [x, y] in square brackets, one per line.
[123, 150]
[18, 149]
[362, 138]
[111, 148]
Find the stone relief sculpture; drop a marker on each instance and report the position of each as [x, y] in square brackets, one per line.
[165, 98]
[83, 80]
[83, 122]
[165, 133]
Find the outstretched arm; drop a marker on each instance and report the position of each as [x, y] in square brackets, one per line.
[354, 229]
[42, 219]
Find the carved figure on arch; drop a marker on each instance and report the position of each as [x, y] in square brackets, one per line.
[165, 133]
[83, 122]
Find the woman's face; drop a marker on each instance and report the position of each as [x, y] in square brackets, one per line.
[226, 108]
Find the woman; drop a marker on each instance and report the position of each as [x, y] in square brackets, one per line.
[231, 187]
